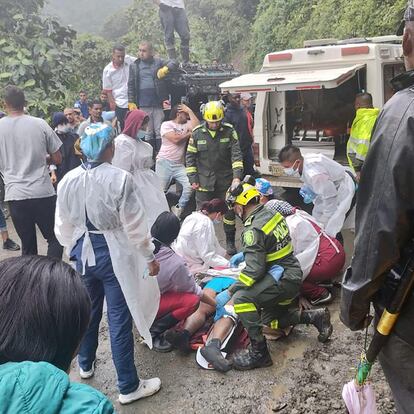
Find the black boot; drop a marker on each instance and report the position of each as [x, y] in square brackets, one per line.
[179, 340]
[257, 356]
[230, 244]
[172, 54]
[158, 328]
[321, 320]
[211, 352]
[185, 54]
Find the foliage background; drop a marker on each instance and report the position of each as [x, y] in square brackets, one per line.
[52, 62]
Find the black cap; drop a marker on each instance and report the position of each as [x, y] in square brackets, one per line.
[408, 17]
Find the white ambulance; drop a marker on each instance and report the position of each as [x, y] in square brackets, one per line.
[306, 96]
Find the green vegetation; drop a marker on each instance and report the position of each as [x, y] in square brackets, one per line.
[52, 63]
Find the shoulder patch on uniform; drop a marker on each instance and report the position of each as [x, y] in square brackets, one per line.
[248, 238]
[248, 221]
[227, 125]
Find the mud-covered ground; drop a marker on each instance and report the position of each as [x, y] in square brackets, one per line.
[306, 377]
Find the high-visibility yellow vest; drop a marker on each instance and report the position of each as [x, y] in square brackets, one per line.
[361, 130]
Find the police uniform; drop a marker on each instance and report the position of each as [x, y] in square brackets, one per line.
[213, 160]
[258, 298]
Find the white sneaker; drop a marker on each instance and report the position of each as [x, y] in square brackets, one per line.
[177, 210]
[87, 374]
[146, 388]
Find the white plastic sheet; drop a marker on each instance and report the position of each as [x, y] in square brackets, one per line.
[359, 399]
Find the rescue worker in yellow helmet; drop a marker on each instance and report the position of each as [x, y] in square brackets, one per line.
[214, 163]
[268, 287]
[361, 131]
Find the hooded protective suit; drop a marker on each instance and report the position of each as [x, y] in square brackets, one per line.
[384, 224]
[334, 189]
[198, 245]
[135, 156]
[109, 198]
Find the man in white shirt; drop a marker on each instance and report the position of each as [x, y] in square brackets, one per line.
[170, 159]
[115, 82]
[173, 17]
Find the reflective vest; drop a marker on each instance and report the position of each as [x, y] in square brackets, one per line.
[360, 137]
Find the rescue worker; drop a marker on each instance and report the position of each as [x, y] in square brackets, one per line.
[361, 130]
[101, 222]
[267, 289]
[214, 163]
[327, 184]
[385, 224]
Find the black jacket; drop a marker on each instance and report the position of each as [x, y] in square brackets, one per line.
[384, 211]
[69, 159]
[161, 85]
[238, 118]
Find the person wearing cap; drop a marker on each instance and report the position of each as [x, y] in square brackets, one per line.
[267, 288]
[385, 226]
[70, 160]
[180, 294]
[236, 115]
[101, 222]
[214, 163]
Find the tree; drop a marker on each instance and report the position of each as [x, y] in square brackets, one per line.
[35, 54]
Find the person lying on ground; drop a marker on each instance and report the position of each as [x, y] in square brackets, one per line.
[197, 242]
[320, 256]
[180, 294]
[41, 326]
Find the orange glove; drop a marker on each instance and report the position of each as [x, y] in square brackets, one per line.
[131, 106]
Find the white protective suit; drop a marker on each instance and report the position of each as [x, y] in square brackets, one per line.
[334, 190]
[110, 199]
[197, 244]
[135, 156]
[305, 239]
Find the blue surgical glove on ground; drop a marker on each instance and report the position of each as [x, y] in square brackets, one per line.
[276, 272]
[222, 298]
[236, 259]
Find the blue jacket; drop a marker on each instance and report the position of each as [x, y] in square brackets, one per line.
[39, 387]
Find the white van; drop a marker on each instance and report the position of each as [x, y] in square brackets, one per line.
[306, 96]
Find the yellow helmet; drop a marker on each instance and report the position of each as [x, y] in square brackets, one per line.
[213, 111]
[242, 194]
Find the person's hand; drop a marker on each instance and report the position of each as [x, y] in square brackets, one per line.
[162, 72]
[53, 177]
[234, 184]
[222, 298]
[236, 259]
[183, 108]
[131, 106]
[358, 176]
[153, 268]
[195, 186]
[304, 304]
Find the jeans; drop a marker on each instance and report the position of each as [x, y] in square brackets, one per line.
[3, 225]
[174, 18]
[100, 280]
[26, 214]
[168, 170]
[156, 118]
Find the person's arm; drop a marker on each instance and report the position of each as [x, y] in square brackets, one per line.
[191, 162]
[236, 156]
[63, 228]
[254, 251]
[209, 300]
[53, 143]
[324, 187]
[175, 137]
[132, 93]
[193, 118]
[107, 87]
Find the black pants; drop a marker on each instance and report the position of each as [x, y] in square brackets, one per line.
[248, 161]
[120, 115]
[26, 214]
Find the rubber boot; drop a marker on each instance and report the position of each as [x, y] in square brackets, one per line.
[211, 352]
[179, 340]
[157, 330]
[185, 54]
[321, 320]
[230, 244]
[257, 356]
[172, 54]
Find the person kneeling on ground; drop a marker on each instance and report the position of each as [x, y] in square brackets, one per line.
[41, 326]
[197, 242]
[320, 256]
[180, 295]
[267, 288]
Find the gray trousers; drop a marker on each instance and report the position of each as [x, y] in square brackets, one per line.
[175, 19]
[156, 118]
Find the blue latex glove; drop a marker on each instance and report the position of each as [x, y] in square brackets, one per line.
[307, 194]
[222, 298]
[236, 259]
[220, 312]
[276, 272]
